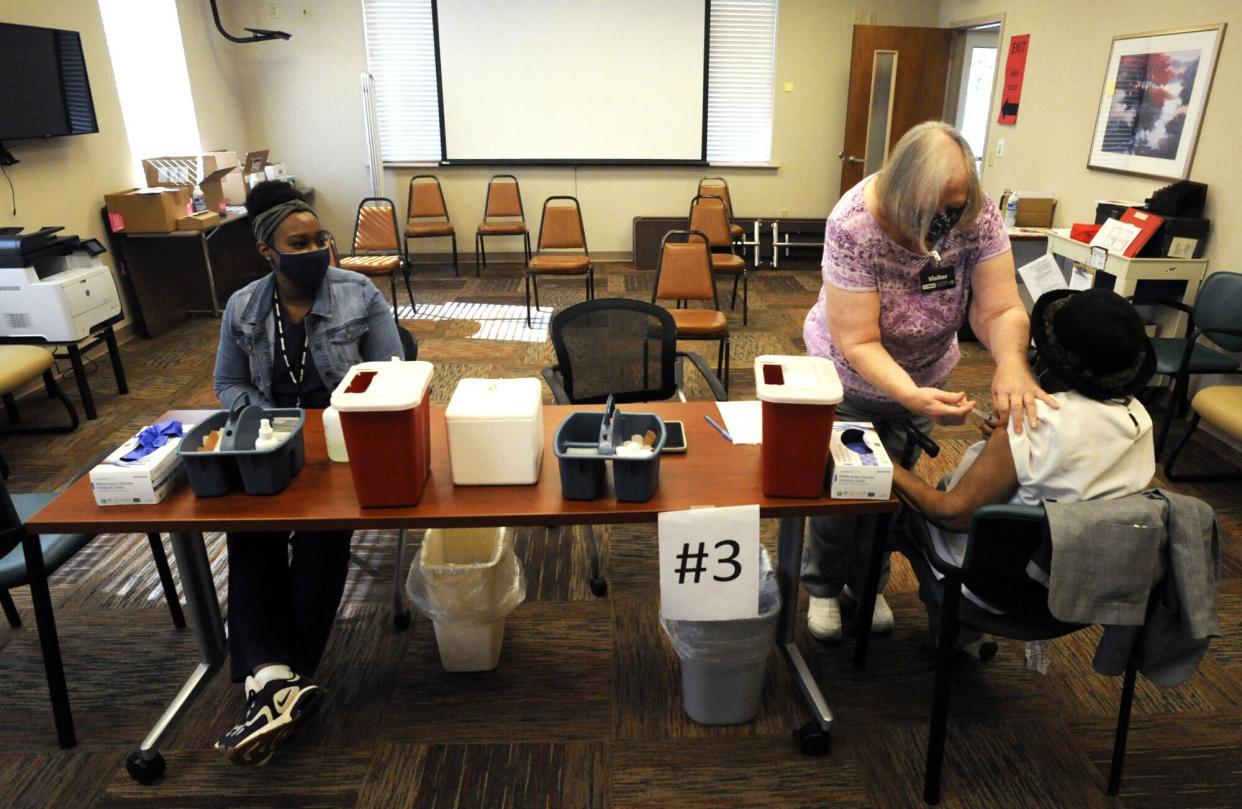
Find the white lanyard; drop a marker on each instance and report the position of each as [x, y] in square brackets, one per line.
[284, 351]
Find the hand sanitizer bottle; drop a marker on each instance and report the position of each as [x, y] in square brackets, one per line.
[267, 437]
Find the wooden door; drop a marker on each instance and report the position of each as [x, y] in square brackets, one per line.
[897, 79]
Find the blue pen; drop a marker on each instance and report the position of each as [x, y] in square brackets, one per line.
[719, 429]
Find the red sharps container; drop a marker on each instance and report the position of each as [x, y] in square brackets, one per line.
[386, 418]
[800, 397]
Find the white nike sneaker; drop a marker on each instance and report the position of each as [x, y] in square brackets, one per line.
[823, 618]
[272, 715]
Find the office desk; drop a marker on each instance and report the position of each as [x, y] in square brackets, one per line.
[186, 272]
[713, 473]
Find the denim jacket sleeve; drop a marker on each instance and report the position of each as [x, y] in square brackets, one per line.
[381, 341]
[232, 374]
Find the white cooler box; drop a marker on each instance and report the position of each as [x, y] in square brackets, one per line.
[495, 431]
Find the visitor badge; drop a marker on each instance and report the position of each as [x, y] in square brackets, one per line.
[933, 278]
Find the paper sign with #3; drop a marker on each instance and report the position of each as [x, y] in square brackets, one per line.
[709, 564]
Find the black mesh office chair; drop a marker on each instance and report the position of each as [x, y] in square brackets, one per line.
[622, 348]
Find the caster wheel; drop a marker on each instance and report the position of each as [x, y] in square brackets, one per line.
[145, 768]
[599, 586]
[813, 740]
[401, 620]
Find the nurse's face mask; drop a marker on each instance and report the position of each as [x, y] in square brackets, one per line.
[943, 222]
[304, 259]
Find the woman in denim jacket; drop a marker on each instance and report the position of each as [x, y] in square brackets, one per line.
[287, 340]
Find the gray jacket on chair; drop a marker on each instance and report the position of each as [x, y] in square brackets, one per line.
[1111, 558]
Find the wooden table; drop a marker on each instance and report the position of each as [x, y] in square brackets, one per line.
[713, 472]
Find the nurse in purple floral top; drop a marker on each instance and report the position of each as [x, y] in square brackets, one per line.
[910, 254]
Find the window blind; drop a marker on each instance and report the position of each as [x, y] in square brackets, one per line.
[401, 56]
[740, 81]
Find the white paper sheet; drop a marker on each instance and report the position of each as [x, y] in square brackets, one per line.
[1081, 278]
[709, 564]
[1041, 275]
[743, 420]
[1115, 235]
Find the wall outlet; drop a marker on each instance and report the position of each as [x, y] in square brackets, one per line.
[1000, 147]
[783, 212]
[871, 18]
[788, 87]
[858, 18]
[306, 13]
[273, 11]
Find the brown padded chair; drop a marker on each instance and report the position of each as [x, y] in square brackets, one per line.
[709, 215]
[718, 186]
[427, 215]
[685, 274]
[502, 216]
[377, 249]
[560, 228]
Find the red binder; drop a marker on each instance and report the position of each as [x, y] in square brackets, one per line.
[1147, 223]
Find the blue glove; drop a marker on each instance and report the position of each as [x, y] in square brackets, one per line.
[152, 438]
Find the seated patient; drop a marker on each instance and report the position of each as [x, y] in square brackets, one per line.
[1093, 356]
[287, 340]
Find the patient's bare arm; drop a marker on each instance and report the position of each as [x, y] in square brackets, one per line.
[991, 479]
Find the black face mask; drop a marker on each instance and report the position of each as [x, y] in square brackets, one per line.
[306, 270]
[942, 223]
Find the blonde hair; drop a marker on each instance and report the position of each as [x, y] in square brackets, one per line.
[922, 163]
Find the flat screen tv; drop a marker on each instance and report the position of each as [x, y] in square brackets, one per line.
[44, 91]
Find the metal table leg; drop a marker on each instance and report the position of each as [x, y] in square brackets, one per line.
[53, 667]
[813, 736]
[147, 764]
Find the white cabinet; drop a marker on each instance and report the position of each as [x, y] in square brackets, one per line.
[1185, 273]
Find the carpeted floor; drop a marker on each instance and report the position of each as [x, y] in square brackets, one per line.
[584, 710]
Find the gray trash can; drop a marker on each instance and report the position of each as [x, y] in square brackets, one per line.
[723, 662]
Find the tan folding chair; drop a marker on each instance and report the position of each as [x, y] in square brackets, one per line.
[684, 274]
[377, 249]
[719, 187]
[560, 229]
[427, 215]
[709, 215]
[502, 216]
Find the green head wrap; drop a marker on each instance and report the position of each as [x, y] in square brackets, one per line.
[264, 225]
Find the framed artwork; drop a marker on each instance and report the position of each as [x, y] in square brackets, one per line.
[1154, 95]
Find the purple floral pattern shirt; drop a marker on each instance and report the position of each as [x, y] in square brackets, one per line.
[919, 330]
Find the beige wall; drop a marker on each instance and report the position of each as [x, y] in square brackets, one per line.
[62, 181]
[214, 80]
[304, 102]
[1047, 148]
[303, 98]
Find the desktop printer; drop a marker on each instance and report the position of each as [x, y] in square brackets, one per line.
[76, 295]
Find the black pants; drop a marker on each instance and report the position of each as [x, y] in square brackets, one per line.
[281, 611]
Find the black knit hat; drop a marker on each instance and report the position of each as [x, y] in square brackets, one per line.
[1093, 341]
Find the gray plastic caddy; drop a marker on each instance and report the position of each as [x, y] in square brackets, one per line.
[237, 465]
[585, 441]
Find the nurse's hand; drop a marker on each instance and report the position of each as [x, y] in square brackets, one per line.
[1014, 393]
[940, 406]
